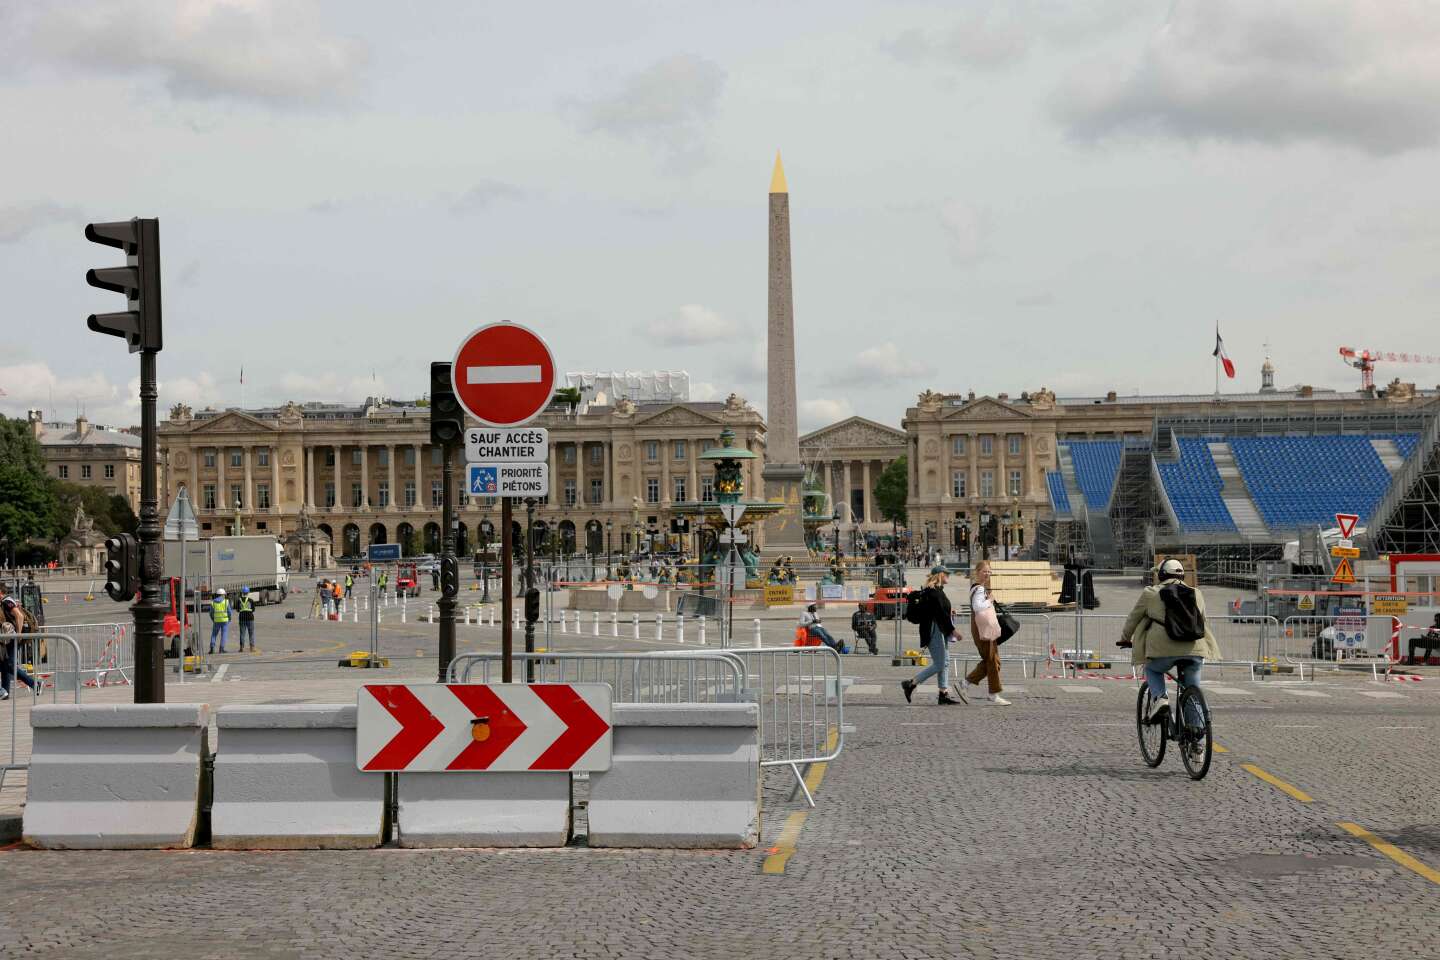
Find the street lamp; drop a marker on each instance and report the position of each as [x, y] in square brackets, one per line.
[609, 526]
[984, 533]
[836, 518]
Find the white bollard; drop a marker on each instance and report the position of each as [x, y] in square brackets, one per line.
[404, 608]
[614, 624]
[758, 642]
[680, 628]
[635, 624]
[595, 624]
[702, 629]
[354, 613]
[467, 616]
[659, 626]
[380, 615]
[564, 627]
[492, 614]
[432, 611]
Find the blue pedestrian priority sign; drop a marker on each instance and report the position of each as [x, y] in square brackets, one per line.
[522, 479]
[485, 481]
[382, 552]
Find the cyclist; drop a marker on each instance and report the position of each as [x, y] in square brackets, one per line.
[1164, 612]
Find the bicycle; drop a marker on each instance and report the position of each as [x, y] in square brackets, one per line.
[1193, 736]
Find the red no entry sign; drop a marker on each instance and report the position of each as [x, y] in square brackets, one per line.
[503, 374]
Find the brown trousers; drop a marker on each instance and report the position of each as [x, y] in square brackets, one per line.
[989, 665]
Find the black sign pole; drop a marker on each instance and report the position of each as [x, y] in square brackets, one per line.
[449, 562]
[507, 594]
[531, 601]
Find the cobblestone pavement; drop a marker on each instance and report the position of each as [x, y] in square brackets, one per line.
[1029, 831]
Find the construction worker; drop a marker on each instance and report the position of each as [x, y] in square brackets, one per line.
[219, 619]
[245, 610]
[349, 584]
[383, 583]
[336, 594]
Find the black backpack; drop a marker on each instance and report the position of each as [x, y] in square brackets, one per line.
[914, 607]
[1184, 623]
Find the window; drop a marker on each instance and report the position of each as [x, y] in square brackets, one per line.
[987, 483]
[567, 456]
[1015, 441]
[679, 489]
[63, 472]
[570, 492]
[262, 496]
[263, 457]
[235, 499]
[330, 495]
[652, 450]
[957, 483]
[652, 490]
[958, 446]
[409, 456]
[597, 491]
[409, 493]
[357, 495]
[382, 456]
[209, 455]
[207, 496]
[597, 453]
[707, 489]
[681, 450]
[237, 458]
[84, 471]
[109, 471]
[329, 456]
[436, 457]
[382, 493]
[436, 492]
[357, 456]
[1014, 483]
[987, 446]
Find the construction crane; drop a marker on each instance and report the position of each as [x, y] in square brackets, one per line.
[1364, 361]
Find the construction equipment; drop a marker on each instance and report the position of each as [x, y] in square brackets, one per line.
[1364, 361]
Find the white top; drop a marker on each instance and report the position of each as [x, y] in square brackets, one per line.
[807, 618]
[979, 599]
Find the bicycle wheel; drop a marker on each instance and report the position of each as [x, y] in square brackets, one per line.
[1196, 738]
[1152, 736]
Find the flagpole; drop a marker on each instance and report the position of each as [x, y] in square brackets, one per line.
[1217, 359]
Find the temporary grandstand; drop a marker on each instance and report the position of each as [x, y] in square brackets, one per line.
[1234, 487]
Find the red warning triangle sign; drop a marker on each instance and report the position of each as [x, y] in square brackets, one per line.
[1343, 573]
[1346, 522]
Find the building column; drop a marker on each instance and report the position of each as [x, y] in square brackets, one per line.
[865, 479]
[555, 488]
[222, 491]
[1001, 472]
[195, 479]
[692, 491]
[342, 496]
[607, 482]
[364, 478]
[845, 493]
[1028, 483]
[309, 477]
[827, 467]
[972, 482]
[947, 468]
[580, 473]
[422, 496]
[275, 480]
[391, 450]
[246, 455]
[665, 453]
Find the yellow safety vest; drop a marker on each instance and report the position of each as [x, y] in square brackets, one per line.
[246, 605]
[220, 610]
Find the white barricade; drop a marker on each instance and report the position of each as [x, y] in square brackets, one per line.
[483, 809]
[595, 625]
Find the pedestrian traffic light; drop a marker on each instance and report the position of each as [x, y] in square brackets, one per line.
[532, 605]
[449, 577]
[447, 422]
[122, 567]
[139, 280]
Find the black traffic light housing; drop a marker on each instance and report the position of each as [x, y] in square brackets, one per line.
[139, 280]
[122, 567]
[449, 577]
[447, 420]
[532, 605]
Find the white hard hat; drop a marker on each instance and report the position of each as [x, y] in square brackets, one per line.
[220, 592]
[1172, 568]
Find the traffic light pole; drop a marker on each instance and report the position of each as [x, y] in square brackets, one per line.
[530, 605]
[447, 557]
[507, 594]
[149, 610]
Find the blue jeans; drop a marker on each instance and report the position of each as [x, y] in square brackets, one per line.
[939, 660]
[825, 637]
[1155, 669]
[247, 627]
[9, 665]
[221, 630]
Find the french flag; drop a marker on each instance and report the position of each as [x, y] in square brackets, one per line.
[1224, 358]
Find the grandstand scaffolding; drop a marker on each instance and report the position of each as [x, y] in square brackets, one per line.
[1407, 518]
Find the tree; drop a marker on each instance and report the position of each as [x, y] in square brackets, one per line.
[892, 490]
[26, 501]
[110, 511]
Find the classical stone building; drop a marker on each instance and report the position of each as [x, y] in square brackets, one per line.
[368, 474]
[90, 455]
[848, 457]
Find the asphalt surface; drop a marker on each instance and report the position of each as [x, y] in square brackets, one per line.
[1027, 831]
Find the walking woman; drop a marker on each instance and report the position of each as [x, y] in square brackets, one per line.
[936, 629]
[984, 630]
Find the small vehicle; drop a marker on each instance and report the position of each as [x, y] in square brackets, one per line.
[1193, 735]
[888, 599]
[407, 580]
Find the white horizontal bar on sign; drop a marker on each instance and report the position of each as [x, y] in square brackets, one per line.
[501, 373]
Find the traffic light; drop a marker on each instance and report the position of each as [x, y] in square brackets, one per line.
[122, 567]
[139, 280]
[532, 605]
[449, 577]
[447, 422]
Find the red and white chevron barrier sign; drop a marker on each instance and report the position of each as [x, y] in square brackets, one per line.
[467, 727]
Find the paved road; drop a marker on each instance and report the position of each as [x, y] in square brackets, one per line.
[1030, 831]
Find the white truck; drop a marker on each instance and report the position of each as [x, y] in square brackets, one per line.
[232, 562]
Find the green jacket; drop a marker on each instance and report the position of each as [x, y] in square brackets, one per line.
[1145, 628]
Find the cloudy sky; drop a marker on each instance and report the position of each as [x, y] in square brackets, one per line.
[984, 196]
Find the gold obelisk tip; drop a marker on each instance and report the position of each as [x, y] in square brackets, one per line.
[777, 179]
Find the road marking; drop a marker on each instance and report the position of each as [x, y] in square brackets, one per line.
[1278, 784]
[1073, 689]
[865, 690]
[1220, 749]
[1234, 691]
[1391, 851]
[220, 673]
[785, 844]
[1297, 726]
[933, 723]
[1383, 694]
[1399, 728]
[1305, 693]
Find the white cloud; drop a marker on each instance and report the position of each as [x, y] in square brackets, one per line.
[1352, 72]
[691, 325]
[969, 229]
[34, 386]
[330, 387]
[879, 365]
[668, 107]
[997, 35]
[485, 194]
[272, 52]
[16, 222]
[751, 367]
[700, 391]
[817, 412]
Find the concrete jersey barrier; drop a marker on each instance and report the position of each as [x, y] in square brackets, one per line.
[115, 776]
[285, 778]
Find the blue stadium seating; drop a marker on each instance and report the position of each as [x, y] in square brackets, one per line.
[1404, 442]
[1304, 480]
[1096, 463]
[1193, 485]
[1059, 499]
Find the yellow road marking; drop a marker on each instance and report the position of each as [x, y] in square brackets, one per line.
[1278, 784]
[1220, 749]
[1391, 851]
[779, 855]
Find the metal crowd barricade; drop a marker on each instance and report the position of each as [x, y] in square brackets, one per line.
[1030, 647]
[667, 677]
[107, 651]
[1243, 642]
[1313, 641]
[16, 696]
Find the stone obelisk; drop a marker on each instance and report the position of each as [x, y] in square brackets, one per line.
[783, 473]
